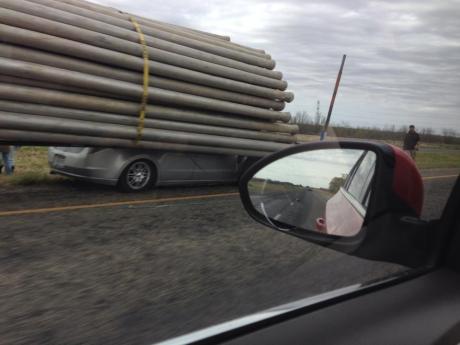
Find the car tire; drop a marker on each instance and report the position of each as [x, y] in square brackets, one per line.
[138, 176]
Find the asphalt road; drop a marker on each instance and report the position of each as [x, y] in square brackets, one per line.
[299, 207]
[84, 264]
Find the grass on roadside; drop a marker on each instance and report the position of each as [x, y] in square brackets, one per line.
[32, 178]
[431, 160]
[31, 167]
[430, 156]
[31, 163]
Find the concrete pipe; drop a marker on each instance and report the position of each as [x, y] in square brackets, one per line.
[92, 116]
[179, 34]
[78, 34]
[100, 104]
[58, 45]
[76, 79]
[53, 86]
[123, 29]
[29, 122]
[35, 138]
[37, 21]
[100, 10]
[78, 65]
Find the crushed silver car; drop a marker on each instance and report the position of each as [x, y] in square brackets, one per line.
[138, 170]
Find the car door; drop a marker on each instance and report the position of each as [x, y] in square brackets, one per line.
[176, 167]
[420, 308]
[214, 168]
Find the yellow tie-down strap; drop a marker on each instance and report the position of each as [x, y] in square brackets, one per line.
[145, 93]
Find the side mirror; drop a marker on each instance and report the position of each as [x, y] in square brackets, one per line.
[356, 197]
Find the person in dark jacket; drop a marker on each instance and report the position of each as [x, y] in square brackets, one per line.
[411, 141]
[5, 150]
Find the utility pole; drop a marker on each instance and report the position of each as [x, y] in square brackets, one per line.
[318, 114]
[331, 105]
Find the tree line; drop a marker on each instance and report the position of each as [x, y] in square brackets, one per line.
[313, 125]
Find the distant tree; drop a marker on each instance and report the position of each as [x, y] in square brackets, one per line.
[449, 135]
[301, 118]
[429, 135]
[426, 131]
[337, 182]
[403, 129]
[318, 118]
[342, 124]
[389, 128]
[448, 132]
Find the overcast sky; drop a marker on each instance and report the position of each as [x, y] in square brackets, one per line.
[403, 57]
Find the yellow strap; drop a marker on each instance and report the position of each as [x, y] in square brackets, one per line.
[145, 93]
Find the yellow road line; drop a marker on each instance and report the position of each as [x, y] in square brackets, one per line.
[438, 177]
[140, 202]
[112, 204]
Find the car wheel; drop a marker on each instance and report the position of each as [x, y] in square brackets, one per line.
[138, 176]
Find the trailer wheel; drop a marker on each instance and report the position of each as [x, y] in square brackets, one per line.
[138, 176]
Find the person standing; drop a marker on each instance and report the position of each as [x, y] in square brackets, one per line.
[5, 150]
[11, 157]
[411, 141]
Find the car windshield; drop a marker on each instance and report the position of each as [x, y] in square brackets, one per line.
[126, 126]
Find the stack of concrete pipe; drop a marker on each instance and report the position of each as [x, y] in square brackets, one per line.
[72, 73]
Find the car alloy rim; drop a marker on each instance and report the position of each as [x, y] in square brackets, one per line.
[138, 175]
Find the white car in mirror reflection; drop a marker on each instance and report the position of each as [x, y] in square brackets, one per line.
[346, 210]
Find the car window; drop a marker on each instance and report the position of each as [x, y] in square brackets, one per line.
[366, 201]
[125, 127]
[358, 185]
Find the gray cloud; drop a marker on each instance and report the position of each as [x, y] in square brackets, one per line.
[403, 56]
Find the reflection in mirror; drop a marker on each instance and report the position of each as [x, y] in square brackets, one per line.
[324, 190]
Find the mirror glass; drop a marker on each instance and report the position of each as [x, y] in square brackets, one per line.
[325, 190]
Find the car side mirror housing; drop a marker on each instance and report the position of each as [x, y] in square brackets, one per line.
[363, 198]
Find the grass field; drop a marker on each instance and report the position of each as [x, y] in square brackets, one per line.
[430, 156]
[31, 167]
[432, 160]
[31, 163]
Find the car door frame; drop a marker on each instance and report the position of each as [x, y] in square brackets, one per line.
[445, 256]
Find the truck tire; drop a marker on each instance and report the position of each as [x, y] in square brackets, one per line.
[138, 176]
